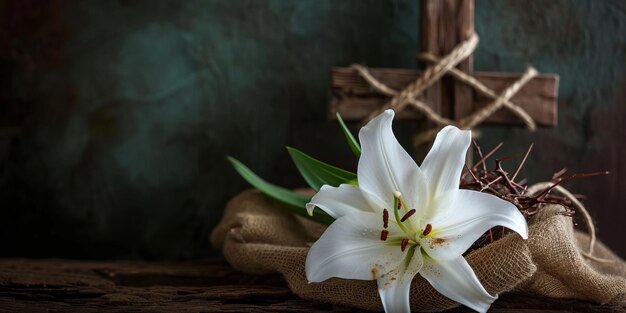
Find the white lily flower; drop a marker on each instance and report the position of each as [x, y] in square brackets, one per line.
[402, 220]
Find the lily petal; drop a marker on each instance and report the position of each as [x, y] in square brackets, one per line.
[342, 200]
[351, 248]
[456, 280]
[457, 227]
[445, 160]
[444, 201]
[385, 167]
[394, 286]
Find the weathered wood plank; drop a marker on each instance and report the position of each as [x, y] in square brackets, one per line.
[199, 286]
[446, 24]
[354, 99]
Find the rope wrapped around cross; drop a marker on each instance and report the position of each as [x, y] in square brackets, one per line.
[441, 66]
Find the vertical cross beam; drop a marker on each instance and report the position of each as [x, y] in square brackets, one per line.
[445, 24]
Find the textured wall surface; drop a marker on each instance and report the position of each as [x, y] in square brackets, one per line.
[115, 116]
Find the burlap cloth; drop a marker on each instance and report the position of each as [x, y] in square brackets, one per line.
[257, 236]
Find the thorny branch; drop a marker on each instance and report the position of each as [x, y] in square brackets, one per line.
[498, 182]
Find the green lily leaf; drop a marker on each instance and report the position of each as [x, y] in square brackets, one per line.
[317, 173]
[354, 145]
[294, 201]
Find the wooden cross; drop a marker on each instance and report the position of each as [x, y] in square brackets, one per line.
[446, 23]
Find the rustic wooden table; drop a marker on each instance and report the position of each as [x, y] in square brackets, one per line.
[209, 285]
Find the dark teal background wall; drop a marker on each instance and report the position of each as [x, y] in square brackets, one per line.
[115, 116]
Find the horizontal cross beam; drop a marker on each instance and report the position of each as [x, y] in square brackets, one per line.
[354, 98]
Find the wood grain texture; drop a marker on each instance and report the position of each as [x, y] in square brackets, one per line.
[445, 24]
[354, 99]
[209, 285]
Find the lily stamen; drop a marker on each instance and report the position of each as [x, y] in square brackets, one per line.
[427, 229]
[404, 243]
[384, 234]
[385, 218]
[407, 215]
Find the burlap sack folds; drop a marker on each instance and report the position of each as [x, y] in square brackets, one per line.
[257, 236]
